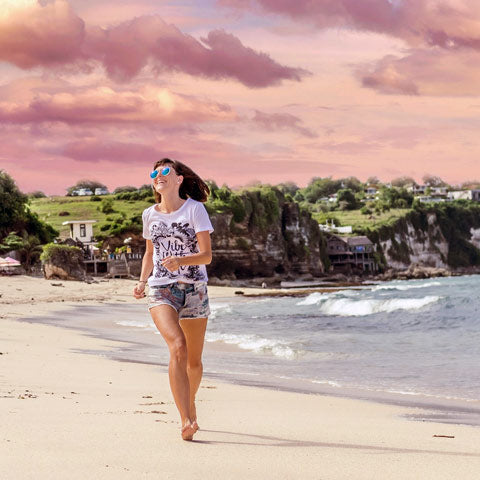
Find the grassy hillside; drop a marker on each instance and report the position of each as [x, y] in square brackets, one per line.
[359, 221]
[82, 208]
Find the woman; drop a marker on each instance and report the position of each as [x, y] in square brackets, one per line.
[177, 231]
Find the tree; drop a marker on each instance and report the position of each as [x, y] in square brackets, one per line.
[395, 197]
[470, 185]
[20, 228]
[346, 199]
[90, 184]
[11, 242]
[37, 194]
[402, 182]
[373, 180]
[12, 205]
[433, 181]
[288, 187]
[126, 188]
[30, 251]
[352, 183]
[318, 188]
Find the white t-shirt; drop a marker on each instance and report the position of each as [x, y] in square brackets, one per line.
[174, 235]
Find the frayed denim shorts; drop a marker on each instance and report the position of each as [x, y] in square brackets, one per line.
[190, 300]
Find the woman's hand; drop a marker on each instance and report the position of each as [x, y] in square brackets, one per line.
[171, 263]
[139, 290]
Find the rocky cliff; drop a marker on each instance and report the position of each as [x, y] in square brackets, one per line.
[270, 236]
[446, 237]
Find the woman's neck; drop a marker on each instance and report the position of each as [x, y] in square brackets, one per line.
[170, 203]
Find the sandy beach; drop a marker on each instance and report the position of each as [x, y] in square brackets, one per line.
[67, 413]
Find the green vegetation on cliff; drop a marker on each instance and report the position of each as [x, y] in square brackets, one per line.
[20, 227]
[455, 221]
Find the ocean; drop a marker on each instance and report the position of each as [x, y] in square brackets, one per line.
[401, 339]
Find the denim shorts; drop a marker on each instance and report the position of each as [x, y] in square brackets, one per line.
[190, 300]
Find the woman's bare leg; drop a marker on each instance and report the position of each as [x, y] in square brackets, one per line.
[194, 331]
[166, 320]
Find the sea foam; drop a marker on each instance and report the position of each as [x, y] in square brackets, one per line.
[405, 287]
[255, 344]
[347, 307]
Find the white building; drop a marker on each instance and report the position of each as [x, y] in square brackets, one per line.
[81, 192]
[417, 189]
[101, 191]
[465, 195]
[425, 199]
[333, 228]
[438, 191]
[81, 230]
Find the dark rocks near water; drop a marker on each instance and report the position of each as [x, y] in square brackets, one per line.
[414, 271]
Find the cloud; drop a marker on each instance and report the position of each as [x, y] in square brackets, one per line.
[443, 37]
[94, 150]
[445, 23]
[432, 72]
[281, 121]
[108, 106]
[52, 35]
[32, 35]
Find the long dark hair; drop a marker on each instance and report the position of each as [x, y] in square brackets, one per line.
[192, 185]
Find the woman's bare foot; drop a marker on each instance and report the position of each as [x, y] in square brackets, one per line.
[188, 430]
[193, 416]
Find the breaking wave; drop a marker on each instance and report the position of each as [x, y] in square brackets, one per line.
[348, 307]
[405, 287]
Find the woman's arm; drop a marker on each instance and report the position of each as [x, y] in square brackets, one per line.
[147, 267]
[203, 257]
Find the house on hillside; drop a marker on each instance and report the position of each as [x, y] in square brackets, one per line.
[430, 199]
[351, 254]
[438, 191]
[82, 231]
[417, 189]
[465, 195]
[81, 192]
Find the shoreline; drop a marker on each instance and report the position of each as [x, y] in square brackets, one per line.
[66, 412]
[446, 409]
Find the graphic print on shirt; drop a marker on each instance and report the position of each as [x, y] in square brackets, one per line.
[176, 240]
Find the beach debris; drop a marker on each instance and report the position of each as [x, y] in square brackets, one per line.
[56, 284]
[147, 396]
[153, 403]
[239, 292]
[208, 386]
[161, 412]
[444, 436]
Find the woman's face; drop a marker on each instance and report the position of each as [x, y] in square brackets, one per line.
[166, 179]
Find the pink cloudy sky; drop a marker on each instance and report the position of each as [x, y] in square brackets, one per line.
[241, 90]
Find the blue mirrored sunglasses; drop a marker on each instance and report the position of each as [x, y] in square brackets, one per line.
[164, 172]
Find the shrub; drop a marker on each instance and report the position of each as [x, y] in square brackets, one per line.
[61, 254]
[107, 205]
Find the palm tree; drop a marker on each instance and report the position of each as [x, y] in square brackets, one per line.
[30, 251]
